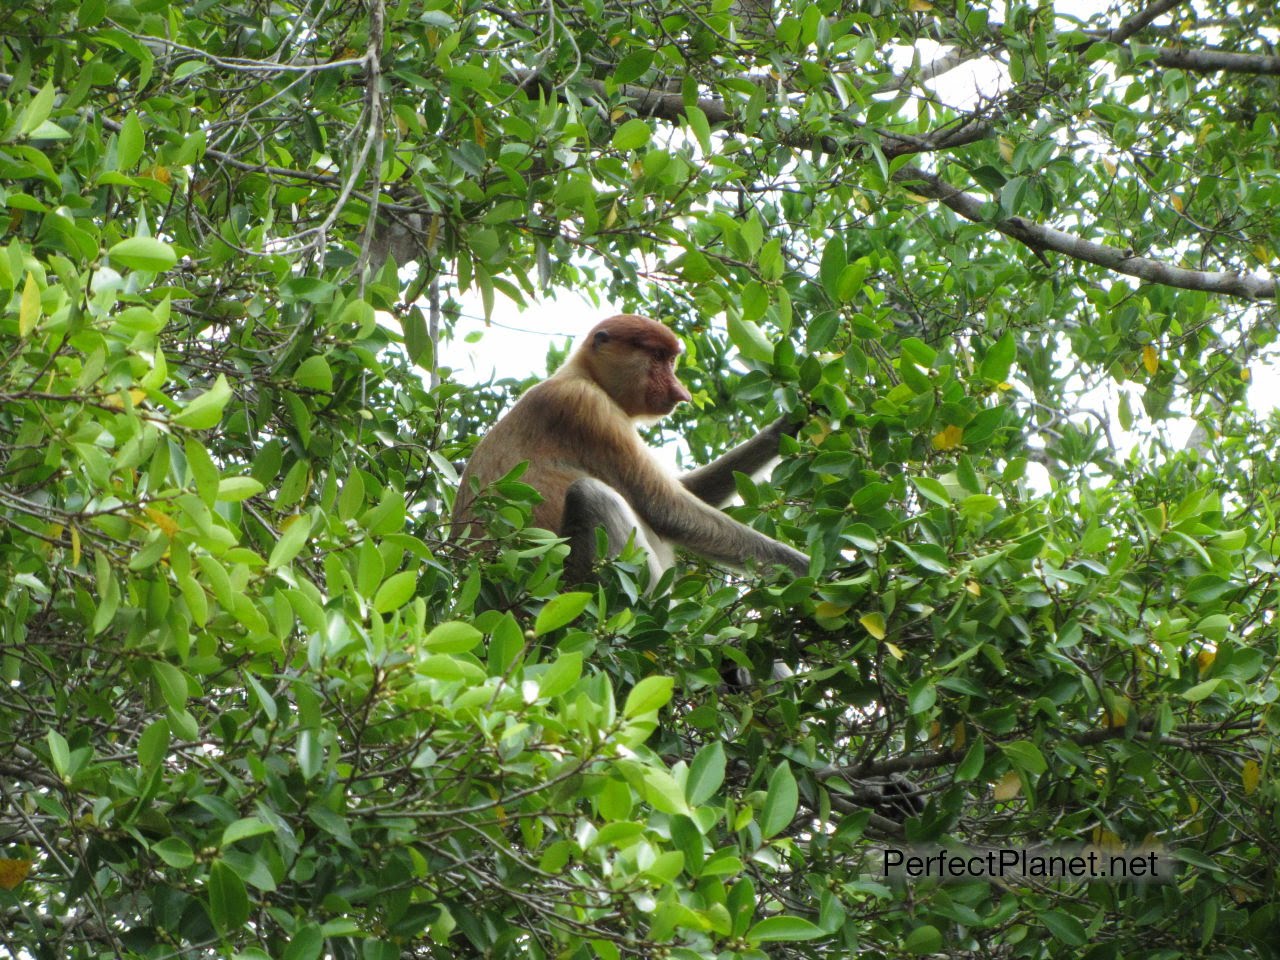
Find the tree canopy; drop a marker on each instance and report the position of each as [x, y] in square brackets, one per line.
[257, 703]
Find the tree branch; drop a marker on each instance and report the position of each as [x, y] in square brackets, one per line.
[1215, 61]
[1127, 28]
[1039, 237]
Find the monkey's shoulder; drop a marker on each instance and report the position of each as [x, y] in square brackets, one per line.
[574, 409]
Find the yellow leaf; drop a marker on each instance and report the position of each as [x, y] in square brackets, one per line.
[611, 217]
[1150, 359]
[958, 735]
[1117, 715]
[615, 40]
[1261, 253]
[1176, 202]
[75, 546]
[1106, 839]
[116, 401]
[1250, 775]
[1006, 149]
[617, 114]
[161, 174]
[1004, 385]
[949, 438]
[973, 587]
[827, 610]
[1109, 167]
[894, 651]
[919, 6]
[162, 520]
[1204, 660]
[13, 872]
[29, 311]
[1010, 786]
[873, 623]
[1245, 375]
[481, 137]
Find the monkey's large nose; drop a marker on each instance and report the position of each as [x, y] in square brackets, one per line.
[679, 394]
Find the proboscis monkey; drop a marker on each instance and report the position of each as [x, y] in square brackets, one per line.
[577, 430]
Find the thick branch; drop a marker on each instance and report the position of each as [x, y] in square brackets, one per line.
[1039, 237]
[1214, 61]
[1127, 28]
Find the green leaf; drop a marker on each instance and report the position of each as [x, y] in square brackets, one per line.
[235, 489]
[143, 253]
[662, 791]
[395, 591]
[780, 802]
[243, 829]
[750, 340]
[153, 745]
[174, 852]
[931, 489]
[561, 675]
[922, 695]
[633, 66]
[632, 135]
[650, 694]
[59, 752]
[779, 929]
[1203, 690]
[314, 374]
[290, 542]
[830, 268]
[38, 110]
[306, 944]
[202, 469]
[999, 359]
[129, 143]
[706, 773]
[452, 637]
[697, 121]
[1025, 756]
[205, 411]
[172, 683]
[228, 900]
[923, 940]
[972, 763]
[559, 611]
[1064, 927]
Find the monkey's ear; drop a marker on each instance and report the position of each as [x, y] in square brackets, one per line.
[602, 336]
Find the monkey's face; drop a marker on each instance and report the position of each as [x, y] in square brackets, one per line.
[663, 389]
[633, 359]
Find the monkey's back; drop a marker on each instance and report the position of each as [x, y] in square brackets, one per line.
[545, 429]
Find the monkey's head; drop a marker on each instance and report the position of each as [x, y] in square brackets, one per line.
[633, 360]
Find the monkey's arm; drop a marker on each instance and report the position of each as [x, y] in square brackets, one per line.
[714, 484]
[678, 516]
